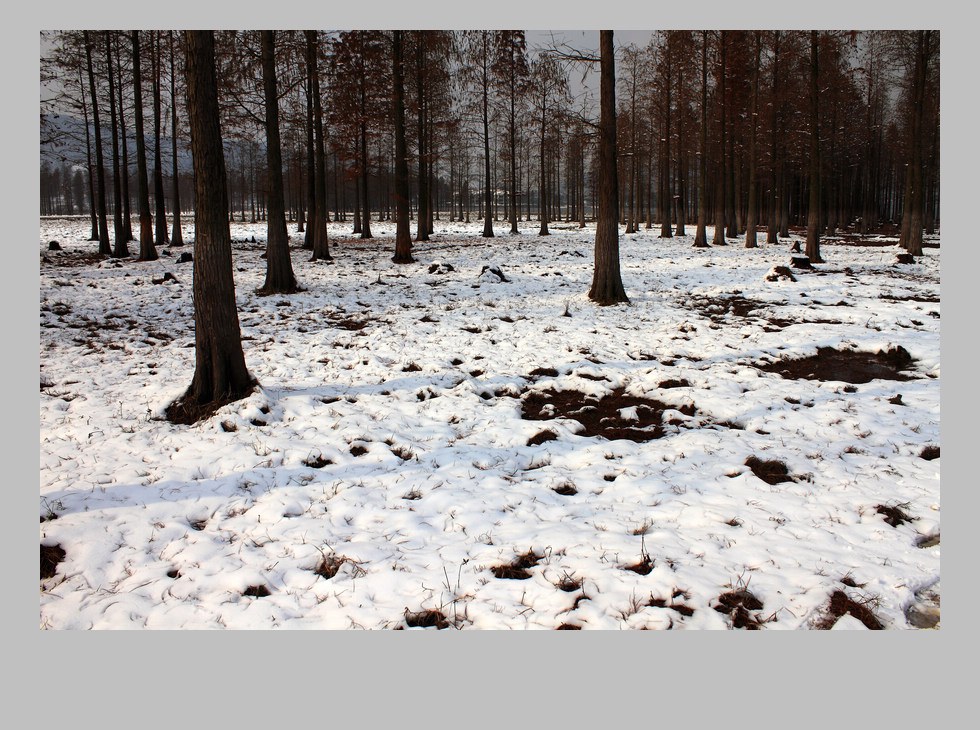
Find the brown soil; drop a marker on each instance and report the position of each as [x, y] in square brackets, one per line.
[568, 627]
[643, 567]
[316, 462]
[929, 453]
[541, 437]
[51, 555]
[569, 584]
[256, 591]
[848, 366]
[737, 604]
[186, 411]
[566, 490]
[600, 416]
[544, 372]
[771, 471]
[841, 604]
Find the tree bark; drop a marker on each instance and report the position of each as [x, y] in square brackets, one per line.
[607, 284]
[220, 374]
[120, 249]
[104, 247]
[403, 234]
[148, 250]
[162, 236]
[177, 238]
[750, 224]
[318, 218]
[700, 235]
[812, 250]
[279, 277]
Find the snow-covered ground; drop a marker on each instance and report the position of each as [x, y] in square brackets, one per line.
[386, 440]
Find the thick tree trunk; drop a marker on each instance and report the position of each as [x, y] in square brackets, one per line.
[220, 374]
[279, 277]
[607, 284]
[772, 225]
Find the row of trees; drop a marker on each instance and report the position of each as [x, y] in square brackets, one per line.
[491, 126]
[777, 127]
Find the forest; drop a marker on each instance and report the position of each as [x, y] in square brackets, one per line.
[719, 121]
[488, 329]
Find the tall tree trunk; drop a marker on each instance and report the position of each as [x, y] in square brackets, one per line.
[543, 202]
[607, 284]
[915, 200]
[666, 227]
[279, 277]
[310, 163]
[162, 237]
[318, 220]
[89, 166]
[700, 235]
[177, 239]
[719, 237]
[813, 218]
[120, 248]
[403, 235]
[750, 233]
[220, 374]
[104, 247]
[148, 251]
[127, 216]
[487, 183]
[775, 204]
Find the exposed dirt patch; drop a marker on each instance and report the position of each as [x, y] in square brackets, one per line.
[642, 567]
[566, 490]
[258, 591]
[848, 366]
[198, 524]
[927, 541]
[569, 627]
[664, 385]
[518, 568]
[738, 604]
[544, 372]
[771, 471]
[841, 604]
[51, 555]
[925, 298]
[316, 462]
[358, 450]
[894, 515]
[541, 437]
[609, 416]
[426, 619]
[929, 453]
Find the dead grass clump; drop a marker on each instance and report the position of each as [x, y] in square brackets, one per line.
[894, 515]
[257, 591]
[841, 604]
[929, 453]
[737, 604]
[426, 619]
[518, 568]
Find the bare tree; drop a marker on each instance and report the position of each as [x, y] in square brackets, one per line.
[220, 375]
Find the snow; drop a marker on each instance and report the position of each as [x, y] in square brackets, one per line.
[447, 487]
